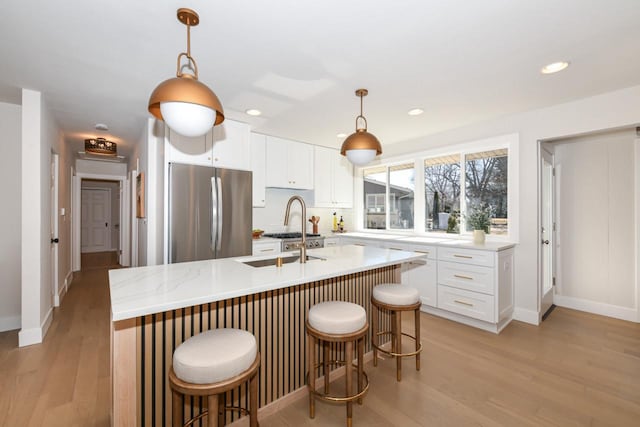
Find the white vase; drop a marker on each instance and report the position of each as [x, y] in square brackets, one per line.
[478, 236]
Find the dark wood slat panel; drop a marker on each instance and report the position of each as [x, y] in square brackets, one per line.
[276, 318]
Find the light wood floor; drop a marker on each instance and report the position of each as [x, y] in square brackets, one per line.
[574, 370]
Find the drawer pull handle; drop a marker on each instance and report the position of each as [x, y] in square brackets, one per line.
[395, 249]
[460, 276]
[422, 252]
[266, 250]
[359, 244]
[463, 303]
[463, 256]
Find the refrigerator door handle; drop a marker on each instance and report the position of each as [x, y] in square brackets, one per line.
[214, 213]
[219, 216]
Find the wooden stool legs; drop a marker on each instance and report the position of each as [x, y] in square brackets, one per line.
[324, 340]
[396, 333]
[215, 395]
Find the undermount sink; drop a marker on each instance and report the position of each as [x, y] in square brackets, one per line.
[285, 260]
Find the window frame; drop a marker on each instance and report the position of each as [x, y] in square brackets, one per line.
[508, 141]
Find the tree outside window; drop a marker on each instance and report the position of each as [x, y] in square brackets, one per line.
[442, 193]
[486, 186]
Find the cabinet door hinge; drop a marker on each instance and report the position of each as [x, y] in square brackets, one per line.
[553, 281]
[553, 171]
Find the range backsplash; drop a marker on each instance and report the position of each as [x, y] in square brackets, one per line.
[271, 217]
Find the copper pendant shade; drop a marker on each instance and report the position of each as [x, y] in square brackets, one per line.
[185, 88]
[361, 139]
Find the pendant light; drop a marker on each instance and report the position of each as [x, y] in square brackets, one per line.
[361, 146]
[186, 105]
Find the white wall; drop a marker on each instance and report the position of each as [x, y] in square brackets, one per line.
[40, 136]
[607, 111]
[596, 216]
[149, 159]
[271, 217]
[10, 176]
[97, 167]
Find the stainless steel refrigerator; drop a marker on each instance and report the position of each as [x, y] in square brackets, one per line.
[210, 213]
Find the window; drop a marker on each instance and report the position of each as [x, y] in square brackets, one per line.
[450, 187]
[401, 195]
[442, 194]
[486, 186]
[375, 191]
[395, 200]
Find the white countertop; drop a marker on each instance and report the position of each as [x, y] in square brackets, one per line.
[493, 246]
[145, 290]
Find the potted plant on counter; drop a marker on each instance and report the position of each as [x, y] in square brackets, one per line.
[479, 220]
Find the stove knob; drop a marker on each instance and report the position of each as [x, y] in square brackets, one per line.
[317, 244]
[286, 247]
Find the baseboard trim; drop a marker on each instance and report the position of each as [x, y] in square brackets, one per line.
[494, 328]
[527, 316]
[10, 323]
[593, 307]
[35, 335]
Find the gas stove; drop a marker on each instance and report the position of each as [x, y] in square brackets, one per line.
[289, 240]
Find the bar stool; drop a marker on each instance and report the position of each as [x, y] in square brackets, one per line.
[395, 298]
[338, 322]
[212, 363]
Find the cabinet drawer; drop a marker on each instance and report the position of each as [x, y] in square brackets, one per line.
[469, 277]
[429, 251]
[421, 274]
[266, 248]
[472, 304]
[467, 256]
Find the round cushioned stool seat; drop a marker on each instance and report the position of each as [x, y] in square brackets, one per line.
[337, 317]
[396, 294]
[214, 356]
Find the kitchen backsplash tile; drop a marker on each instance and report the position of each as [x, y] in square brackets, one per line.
[271, 217]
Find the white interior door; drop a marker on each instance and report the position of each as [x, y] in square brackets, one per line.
[95, 231]
[53, 190]
[547, 232]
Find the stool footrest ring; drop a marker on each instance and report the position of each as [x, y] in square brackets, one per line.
[338, 399]
[391, 353]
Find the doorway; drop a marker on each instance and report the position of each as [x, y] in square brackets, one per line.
[100, 221]
[547, 231]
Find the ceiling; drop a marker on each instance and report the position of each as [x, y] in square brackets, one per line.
[299, 62]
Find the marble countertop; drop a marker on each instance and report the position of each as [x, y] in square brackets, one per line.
[494, 246]
[146, 290]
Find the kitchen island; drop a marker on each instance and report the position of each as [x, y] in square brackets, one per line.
[154, 309]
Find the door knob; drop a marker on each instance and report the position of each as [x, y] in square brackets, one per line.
[546, 242]
[56, 240]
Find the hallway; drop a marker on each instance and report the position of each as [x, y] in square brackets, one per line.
[65, 380]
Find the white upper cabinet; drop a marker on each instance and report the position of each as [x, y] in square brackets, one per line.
[289, 164]
[226, 146]
[258, 167]
[333, 179]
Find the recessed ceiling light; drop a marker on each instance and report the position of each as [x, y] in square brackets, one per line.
[102, 126]
[341, 135]
[253, 112]
[554, 67]
[415, 112]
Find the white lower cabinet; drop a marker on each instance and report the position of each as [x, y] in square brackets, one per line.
[477, 284]
[422, 275]
[471, 304]
[331, 241]
[266, 247]
[471, 286]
